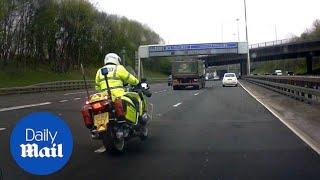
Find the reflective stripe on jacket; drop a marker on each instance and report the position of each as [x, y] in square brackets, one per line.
[117, 76]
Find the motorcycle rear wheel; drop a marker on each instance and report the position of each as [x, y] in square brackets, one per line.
[112, 143]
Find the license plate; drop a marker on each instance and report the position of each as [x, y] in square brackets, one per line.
[101, 119]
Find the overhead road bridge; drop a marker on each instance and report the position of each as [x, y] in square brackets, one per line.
[275, 50]
[203, 49]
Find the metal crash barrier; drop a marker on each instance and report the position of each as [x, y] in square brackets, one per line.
[304, 88]
[57, 86]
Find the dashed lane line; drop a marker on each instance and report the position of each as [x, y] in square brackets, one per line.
[2, 129]
[100, 150]
[178, 104]
[62, 101]
[23, 106]
[156, 92]
[196, 94]
[76, 99]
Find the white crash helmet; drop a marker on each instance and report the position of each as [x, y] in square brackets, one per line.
[112, 58]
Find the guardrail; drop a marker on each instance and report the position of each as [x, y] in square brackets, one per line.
[57, 86]
[299, 87]
[272, 43]
[49, 86]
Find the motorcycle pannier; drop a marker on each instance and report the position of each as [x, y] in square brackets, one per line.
[88, 121]
[119, 107]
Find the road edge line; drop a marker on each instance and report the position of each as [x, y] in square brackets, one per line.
[303, 136]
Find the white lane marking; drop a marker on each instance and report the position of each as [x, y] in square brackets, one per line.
[299, 133]
[152, 110]
[76, 99]
[62, 101]
[82, 92]
[178, 104]
[196, 94]
[100, 150]
[160, 91]
[1, 129]
[24, 106]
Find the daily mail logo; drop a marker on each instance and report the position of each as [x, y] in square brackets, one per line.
[41, 143]
[33, 150]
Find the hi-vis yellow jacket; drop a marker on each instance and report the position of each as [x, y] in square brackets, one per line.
[117, 76]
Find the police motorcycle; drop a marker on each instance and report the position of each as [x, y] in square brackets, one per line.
[116, 120]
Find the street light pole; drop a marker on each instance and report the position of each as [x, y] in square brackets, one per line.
[238, 29]
[221, 32]
[123, 52]
[276, 33]
[248, 53]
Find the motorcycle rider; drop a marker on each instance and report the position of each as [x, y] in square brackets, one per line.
[117, 76]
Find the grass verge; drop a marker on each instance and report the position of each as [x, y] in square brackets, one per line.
[12, 78]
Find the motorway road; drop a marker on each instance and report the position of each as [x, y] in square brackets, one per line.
[213, 133]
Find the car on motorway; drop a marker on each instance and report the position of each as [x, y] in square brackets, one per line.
[229, 79]
[278, 72]
[290, 73]
[170, 80]
[216, 78]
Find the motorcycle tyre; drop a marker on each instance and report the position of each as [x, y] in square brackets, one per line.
[112, 144]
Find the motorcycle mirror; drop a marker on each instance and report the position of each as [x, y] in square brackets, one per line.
[145, 86]
[104, 71]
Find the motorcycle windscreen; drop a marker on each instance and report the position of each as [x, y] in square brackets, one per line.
[131, 112]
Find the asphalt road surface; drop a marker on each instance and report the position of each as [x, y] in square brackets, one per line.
[213, 133]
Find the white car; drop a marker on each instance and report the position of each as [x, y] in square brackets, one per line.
[229, 79]
[278, 72]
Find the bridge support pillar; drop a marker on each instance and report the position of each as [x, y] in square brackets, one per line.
[309, 59]
[243, 68]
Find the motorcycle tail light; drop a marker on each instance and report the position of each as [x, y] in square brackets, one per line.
[87, 118]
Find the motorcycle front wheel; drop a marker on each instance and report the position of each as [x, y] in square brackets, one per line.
[112, 143]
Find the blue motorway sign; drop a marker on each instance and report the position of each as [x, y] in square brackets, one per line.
[185, 47]
[192, 49]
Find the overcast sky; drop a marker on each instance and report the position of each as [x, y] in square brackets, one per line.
[200, 21]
